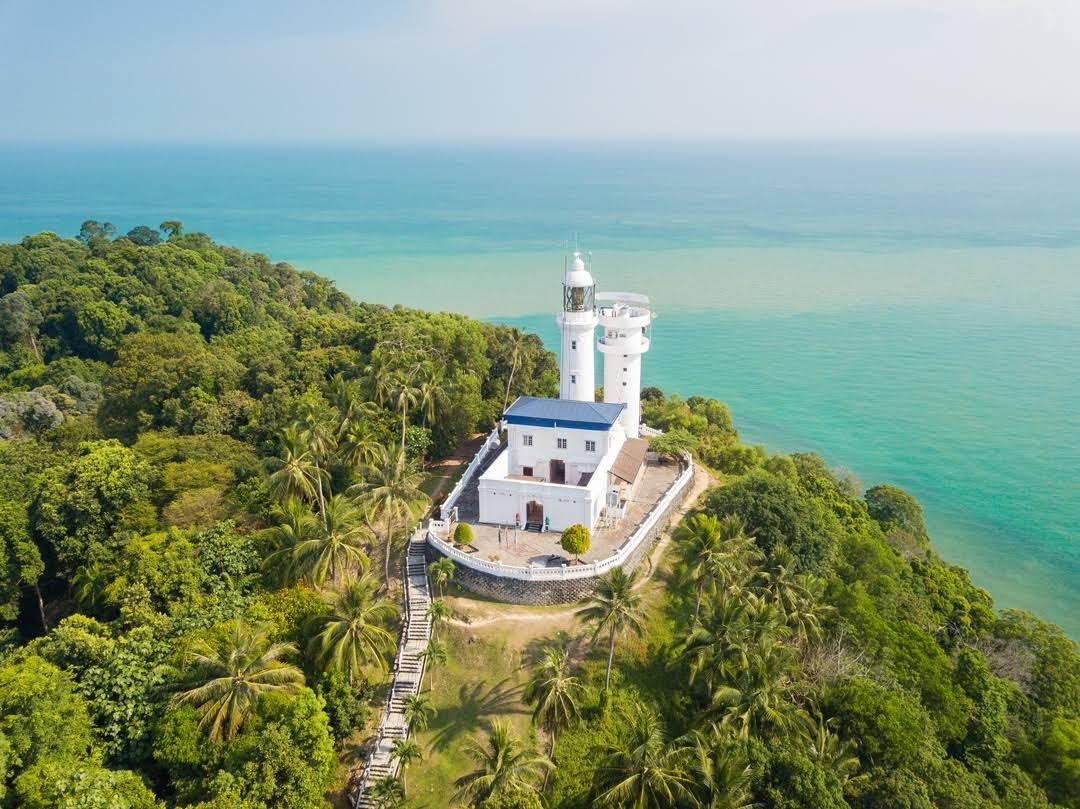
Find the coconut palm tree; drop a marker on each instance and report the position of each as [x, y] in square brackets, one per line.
[765, 621]
[442, 571]
[354, 635]
[829, 750]
[434, 655]
[232, 671]
[504, 765]
[335, 546]
[431, 394]
[738, 553]
[348, 401]
[613, 607]
[391, 489]
[554, 693]
[777, 579]
[406, 751]
[321, 441]
[643, 770]
[295, 474]
[357, 447]
[805, 613]
[756, 697]
[387, 793]
[419, 709]
[438, 612]
[721, 771]
[697, 545]
[296, 524]
[517, 345]
[716, 644]
[398, 389]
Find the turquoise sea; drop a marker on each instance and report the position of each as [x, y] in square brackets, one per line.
[911, 311]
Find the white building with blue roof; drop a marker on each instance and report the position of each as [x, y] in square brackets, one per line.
[564, 462]
[573, 460]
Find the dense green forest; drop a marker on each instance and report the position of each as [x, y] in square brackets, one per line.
[810, 649]
[206, 458]
[209, 463]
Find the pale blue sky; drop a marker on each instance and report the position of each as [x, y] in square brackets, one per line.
[341, 70]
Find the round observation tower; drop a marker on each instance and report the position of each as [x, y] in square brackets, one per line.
[577, 322]
[625, 318]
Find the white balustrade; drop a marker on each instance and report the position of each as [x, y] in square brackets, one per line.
[585, 571]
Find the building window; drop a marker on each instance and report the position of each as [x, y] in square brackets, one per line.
[624, 370]
[526, 440]
[573, 345]
[573, 379]
[624, 384]
[590, 446]
[560, 443]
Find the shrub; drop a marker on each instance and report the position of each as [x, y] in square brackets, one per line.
[575, 540]
[463, 534]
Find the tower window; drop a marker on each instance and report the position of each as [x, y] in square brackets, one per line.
[573, 345]
[624, 384]
[560, 443]
[526, 440]
[573, 379]
[624, 370]
[590, 446]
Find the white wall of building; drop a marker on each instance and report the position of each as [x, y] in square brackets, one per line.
[544, 448]
[502, 500]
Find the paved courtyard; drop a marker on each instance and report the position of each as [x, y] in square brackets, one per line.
[528, 548]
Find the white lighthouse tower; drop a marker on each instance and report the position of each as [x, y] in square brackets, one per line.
[577, 371]
[625, 317]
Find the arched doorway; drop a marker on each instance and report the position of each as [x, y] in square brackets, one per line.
[534, 512]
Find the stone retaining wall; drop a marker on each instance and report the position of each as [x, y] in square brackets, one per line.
[555, 591]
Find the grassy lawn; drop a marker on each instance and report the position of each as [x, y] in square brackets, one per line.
[491, 647]
[483, 680]
[487, 670]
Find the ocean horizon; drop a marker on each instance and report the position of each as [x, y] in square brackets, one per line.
[910, 311]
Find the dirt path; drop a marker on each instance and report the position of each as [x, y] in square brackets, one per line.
[703, 480]
[507, 617]
[436, 493]
[448, 468]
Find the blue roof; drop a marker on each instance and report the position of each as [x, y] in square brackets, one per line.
[567, 413]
